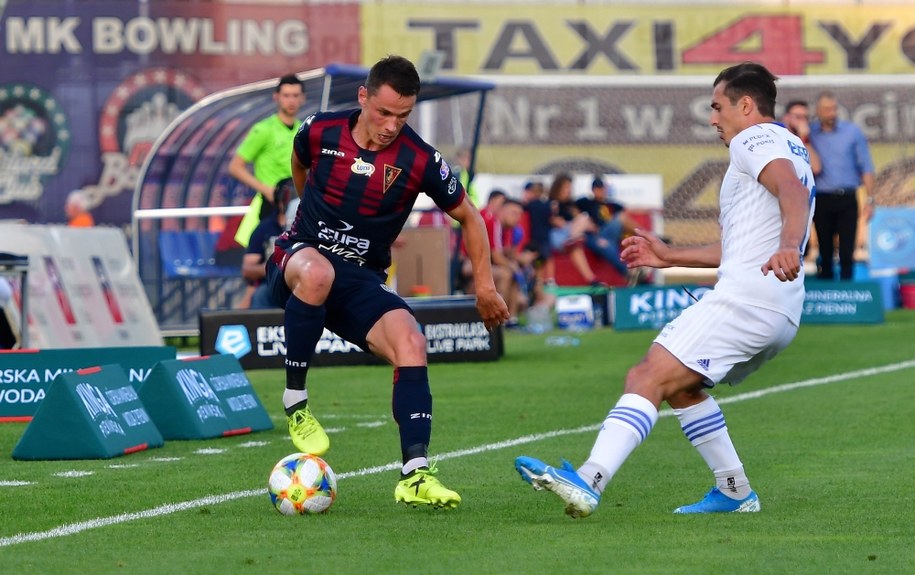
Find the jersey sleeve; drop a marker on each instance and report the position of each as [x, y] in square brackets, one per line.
[300, 143]
[753, 149]
[441, 184]
[254, 143]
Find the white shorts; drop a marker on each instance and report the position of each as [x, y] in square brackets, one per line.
[726, 340]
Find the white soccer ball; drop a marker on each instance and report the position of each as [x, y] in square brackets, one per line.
[301, 484]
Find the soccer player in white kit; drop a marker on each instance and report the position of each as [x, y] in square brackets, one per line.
[753, 312]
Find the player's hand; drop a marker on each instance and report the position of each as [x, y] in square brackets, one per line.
[644, 249]
[785, 264]
[492, 308]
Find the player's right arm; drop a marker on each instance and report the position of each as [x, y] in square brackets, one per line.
[647, 249]
[301, 155]
[299, 173]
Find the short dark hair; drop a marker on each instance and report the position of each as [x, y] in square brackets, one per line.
[290, 79]
[794, 103]
[753, 80]
[513, 202]
[395, 71]
[495, 195]
[598, 183]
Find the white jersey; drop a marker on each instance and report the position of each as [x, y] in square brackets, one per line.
[751, 222]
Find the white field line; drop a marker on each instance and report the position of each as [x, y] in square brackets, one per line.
[168, 509]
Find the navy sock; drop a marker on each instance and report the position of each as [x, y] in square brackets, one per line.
[412, 407]
[304, 324]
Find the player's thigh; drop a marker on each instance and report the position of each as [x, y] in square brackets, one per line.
[358, 300]
[396, 337]
[725, 340]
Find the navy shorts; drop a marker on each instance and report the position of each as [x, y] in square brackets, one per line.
[357, 300]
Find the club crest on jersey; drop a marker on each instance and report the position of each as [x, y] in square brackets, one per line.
[362, 168]
[390, 174]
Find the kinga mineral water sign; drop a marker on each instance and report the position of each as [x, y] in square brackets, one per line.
[652, 307]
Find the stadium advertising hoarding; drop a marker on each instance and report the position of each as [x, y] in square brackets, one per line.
[645, 39]
[92, 413]
[202, 397]
[892, 243]
[96, 85]
[25, 376]
[824, 302]
[83, 288]
[452, 326]
[593, 88]
[87, 87]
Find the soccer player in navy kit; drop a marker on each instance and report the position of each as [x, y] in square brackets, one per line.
[359, 173]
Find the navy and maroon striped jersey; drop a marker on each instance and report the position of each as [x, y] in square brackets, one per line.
[356, 202]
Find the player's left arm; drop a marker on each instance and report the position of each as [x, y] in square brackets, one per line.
[490, 304]
[780, 178]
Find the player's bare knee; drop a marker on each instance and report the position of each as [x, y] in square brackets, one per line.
[313, 280]
[413, 349]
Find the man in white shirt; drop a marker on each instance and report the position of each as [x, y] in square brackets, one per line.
[753, 312]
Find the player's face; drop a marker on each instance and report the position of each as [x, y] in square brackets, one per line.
[289, 99]
[795, 117]
[511, 215]
[827, 112]
[383, 116]
[727, 118]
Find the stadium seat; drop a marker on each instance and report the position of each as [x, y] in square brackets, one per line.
[177, 255]
[191, 254]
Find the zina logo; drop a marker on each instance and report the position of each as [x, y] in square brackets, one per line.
[233, 339]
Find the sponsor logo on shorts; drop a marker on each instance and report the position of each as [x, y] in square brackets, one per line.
[704, 363]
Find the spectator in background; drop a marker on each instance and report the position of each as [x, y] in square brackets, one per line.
[518, 260]
[260, 247]
[268, 147]
[846, 165]
[797, 120]
[77, 210]
[500, 272]
[610, 221]
[536, 222]
[569, 225]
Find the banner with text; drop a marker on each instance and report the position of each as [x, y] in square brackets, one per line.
[83, 287]
[25, 376]
[601, 39]
[824, 302]
[451, 325]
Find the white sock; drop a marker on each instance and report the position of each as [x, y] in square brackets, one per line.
[413, 465]
[625, 427]
[704, 427]
[294, 396]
